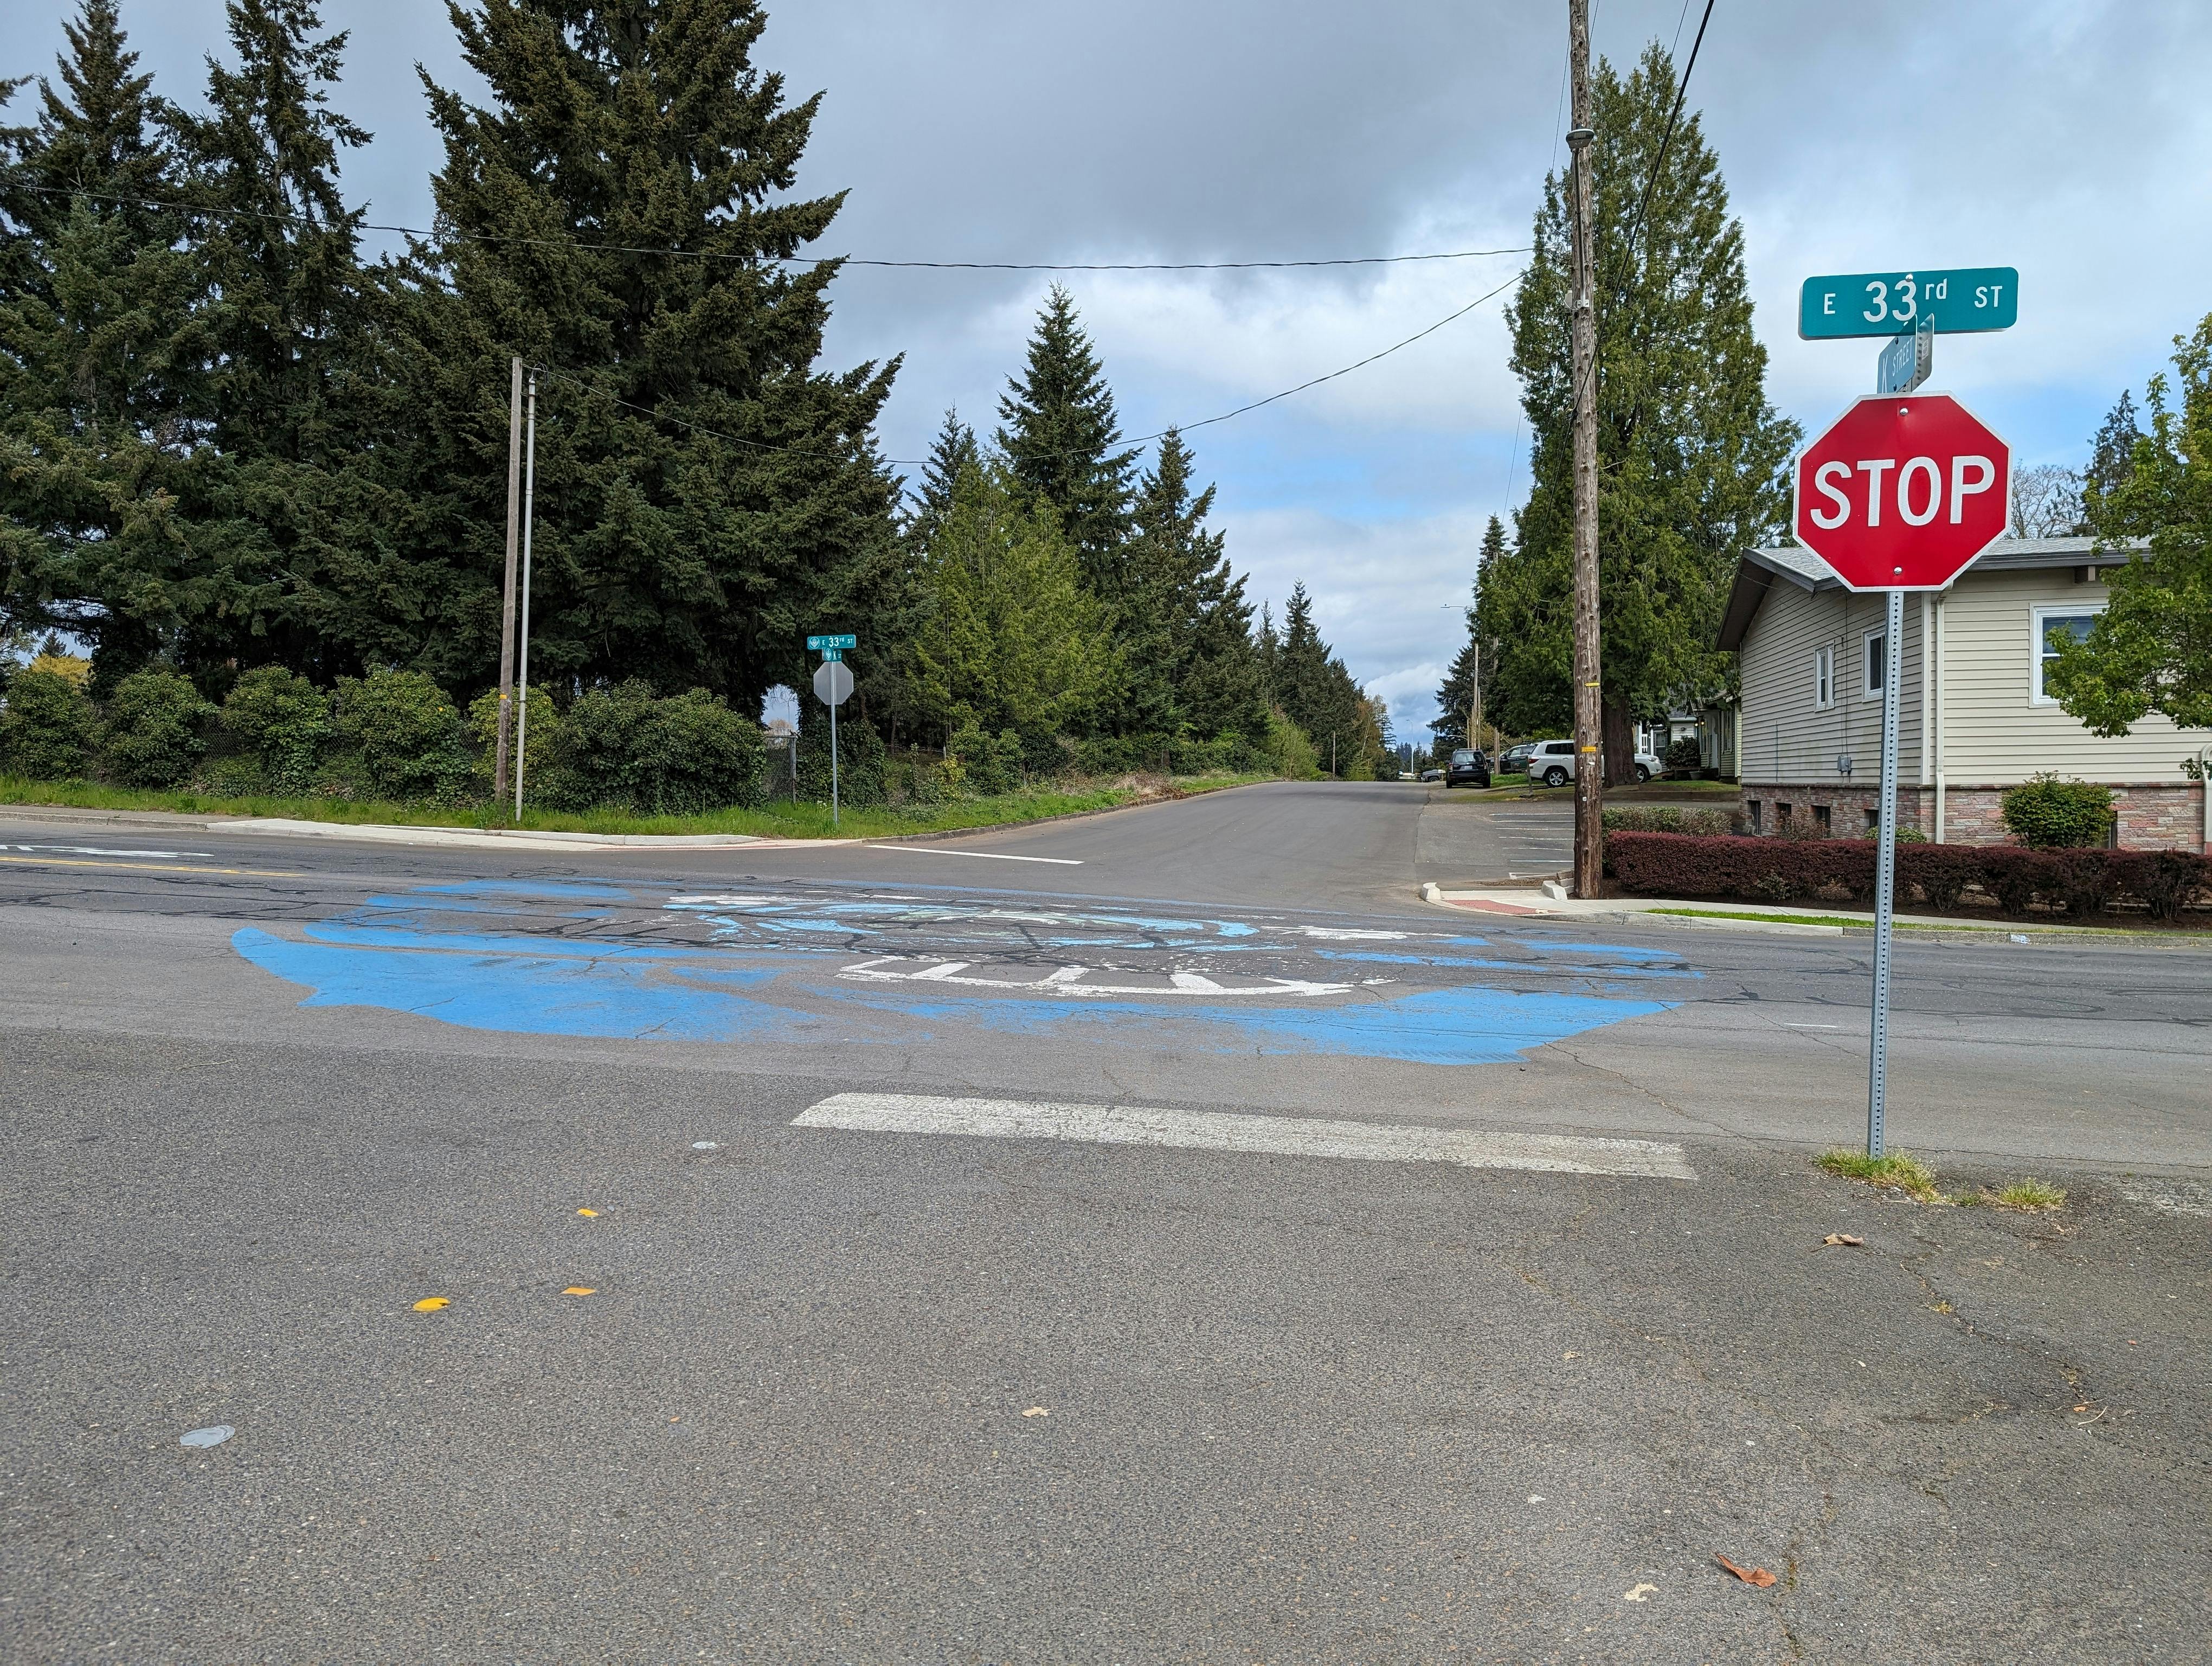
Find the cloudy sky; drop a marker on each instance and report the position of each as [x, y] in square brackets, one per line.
[2066, 138]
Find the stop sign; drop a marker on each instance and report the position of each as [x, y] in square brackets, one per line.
[1903, 491]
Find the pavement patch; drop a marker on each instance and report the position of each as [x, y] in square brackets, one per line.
[1228, 1131]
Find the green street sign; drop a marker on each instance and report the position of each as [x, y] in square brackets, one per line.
[819, 644]
[1950, 303]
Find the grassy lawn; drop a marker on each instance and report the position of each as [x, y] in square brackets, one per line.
[1652, 792]
[779, 820]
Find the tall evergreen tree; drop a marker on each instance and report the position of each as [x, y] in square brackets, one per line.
[706, 494]
[1456, 699]
[1060, 435]
[1692, 457]
[97, 298]
[2111, 457]
[1187, 627]
[953, 450]
[1317, 693]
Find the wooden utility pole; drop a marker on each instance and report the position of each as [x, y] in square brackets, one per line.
[506, 620]
[1589, 775]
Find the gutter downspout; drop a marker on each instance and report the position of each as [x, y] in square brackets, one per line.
[1927, 693]
[1941, 596]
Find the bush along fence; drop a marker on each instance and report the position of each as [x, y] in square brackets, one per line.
[397, 737]
[2161, 884]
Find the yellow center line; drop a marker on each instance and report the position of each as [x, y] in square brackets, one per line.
[155, 867]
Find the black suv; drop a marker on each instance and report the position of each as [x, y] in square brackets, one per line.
[1467, 769]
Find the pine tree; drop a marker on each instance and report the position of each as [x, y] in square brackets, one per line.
[1316, 692]
[706, 495]
[1456, 699]
[1692, 457]
[953, 450]
[1186, 625]
[2111, 459]
[96, 314]
[1060, 433]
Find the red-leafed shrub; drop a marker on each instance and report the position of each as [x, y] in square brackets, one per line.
[2083, 882]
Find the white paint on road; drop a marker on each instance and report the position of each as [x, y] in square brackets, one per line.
[1207, 1130]
[987, 855]
[104, 850]
[1065, 981]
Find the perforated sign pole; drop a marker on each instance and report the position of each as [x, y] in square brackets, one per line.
[1885, 885]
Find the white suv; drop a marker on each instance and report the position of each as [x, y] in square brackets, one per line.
[1552, 763]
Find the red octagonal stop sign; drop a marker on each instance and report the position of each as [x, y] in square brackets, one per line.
[1903, 491]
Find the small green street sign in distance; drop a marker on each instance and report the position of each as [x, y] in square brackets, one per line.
[818, 643]
[1889, 303]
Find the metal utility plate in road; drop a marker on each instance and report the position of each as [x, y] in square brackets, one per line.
[833, 681]
[1953, 302]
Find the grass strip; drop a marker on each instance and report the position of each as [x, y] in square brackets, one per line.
[1906, 1173]
[779, 820]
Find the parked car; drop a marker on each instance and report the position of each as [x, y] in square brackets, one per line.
[1434, 772]
[1514, 760]
[1552, 763]
[1466, 769]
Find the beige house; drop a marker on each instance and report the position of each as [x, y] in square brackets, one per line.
[1974, 717]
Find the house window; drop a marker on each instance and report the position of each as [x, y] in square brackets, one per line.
[1873, 819]
[2052, 623]
[1751, 813]
[1870, 652]
[1824, 678]
[1782, 816]
[1820, 818]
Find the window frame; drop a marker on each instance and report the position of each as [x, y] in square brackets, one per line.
[1869, 690]
[2038, 620]
[1824, 678]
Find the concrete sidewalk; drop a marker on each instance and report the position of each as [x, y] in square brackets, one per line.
[1550, 901]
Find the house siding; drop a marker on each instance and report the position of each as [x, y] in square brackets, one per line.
[1991, 733]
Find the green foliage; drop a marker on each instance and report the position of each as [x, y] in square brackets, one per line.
[1691, 458]
[1317, 694]
[283, 721]
[2150, 650]
[1456, 698]
[1684, 754]
[1058, 435]
[625, 748]
[2046, 813]
[154, 723]
[1009, 638]
[538, 744]
[859, 760]
[1668, 818]
[401, 734]
[49, 729]
[707, 496]
[989, 764]
[1287, 752]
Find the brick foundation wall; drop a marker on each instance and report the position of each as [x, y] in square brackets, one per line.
[2157, 816]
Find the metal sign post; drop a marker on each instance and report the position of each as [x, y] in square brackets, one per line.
[1885, 885]
[833, 682]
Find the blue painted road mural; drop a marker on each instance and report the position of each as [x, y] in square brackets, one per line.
[824, 968]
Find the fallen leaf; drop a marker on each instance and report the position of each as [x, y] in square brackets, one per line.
[579, 1290]
[2080, 1408]
[587, 1211]
[431, 1304]
[1834, 1239]
[1036, 1410]
[1639, 1593]
[1752, 1576]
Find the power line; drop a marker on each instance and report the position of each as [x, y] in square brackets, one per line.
[1142, 439]
[785, 260]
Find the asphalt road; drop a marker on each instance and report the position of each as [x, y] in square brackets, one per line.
[1194, 1387]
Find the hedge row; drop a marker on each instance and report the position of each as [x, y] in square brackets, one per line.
[2162, 883]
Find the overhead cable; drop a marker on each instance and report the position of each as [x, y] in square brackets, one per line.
[785, 260]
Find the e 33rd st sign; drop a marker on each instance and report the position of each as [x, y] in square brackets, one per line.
[1903, 491]
[1949, 303]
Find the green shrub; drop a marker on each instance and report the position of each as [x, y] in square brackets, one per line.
[1907, 833]
[1683, 754]
[282, 722]
[402, 734]
[989, 764]
[2046, 813]
[1287, 752]
[49, 729]
[538, 746]
[625, 748]
[154, 723]
[859, 760]
[1668, 818]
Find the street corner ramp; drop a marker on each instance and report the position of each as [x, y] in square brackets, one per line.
[1233, 1131]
